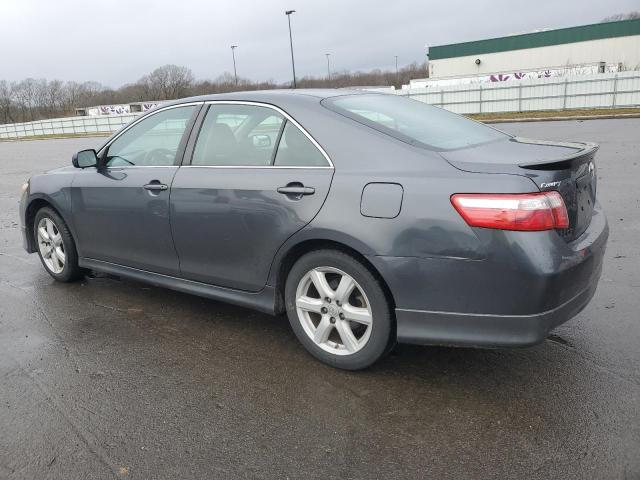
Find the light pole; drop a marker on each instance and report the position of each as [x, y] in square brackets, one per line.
[396, 68]
[293, 64]
[233, 54]
[328, 67]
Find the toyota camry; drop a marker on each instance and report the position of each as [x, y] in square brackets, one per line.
[367, 218]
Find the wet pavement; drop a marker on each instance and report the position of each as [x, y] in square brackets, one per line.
[110, 378]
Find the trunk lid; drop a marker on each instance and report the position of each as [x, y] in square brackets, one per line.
[568, 168]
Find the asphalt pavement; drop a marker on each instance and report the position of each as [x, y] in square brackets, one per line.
[108, 378]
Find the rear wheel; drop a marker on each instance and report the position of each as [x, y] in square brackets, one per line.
[338, 309]
[56, 247]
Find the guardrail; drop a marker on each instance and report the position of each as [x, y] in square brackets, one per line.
[602, 90]
[66, 126]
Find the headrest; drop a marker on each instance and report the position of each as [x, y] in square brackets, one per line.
[295, 139]
[221, 132]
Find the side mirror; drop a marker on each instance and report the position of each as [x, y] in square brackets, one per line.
[261, 141]
[85, 159]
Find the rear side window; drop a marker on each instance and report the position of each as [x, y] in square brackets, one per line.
[252, 135]
[296, 150]
[238, 135]
[413, 122]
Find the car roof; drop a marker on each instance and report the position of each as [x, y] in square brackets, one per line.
[272, 96]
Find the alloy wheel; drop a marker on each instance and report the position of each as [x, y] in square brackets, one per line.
[334, 310]
[50, 245]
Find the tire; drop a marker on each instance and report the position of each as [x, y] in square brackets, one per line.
[54, 244]
[321, 325]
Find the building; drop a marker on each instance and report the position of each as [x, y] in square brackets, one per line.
[616, 45]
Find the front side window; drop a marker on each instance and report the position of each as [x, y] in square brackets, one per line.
[238, 135]
[153, 141]
[413, 122]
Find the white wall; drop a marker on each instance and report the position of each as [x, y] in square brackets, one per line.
[625, 50]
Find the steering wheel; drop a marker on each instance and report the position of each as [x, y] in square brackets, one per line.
[159, 156]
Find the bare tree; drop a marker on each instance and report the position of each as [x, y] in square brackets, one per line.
[167, 82]
[622, 16]
[33, 99]
[26, 94]
[72, 96]
[5, 102]
[372, 78]
[132, 92]
[53, 97]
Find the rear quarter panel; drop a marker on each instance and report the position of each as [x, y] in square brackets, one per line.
[427, 225]
[427, 252]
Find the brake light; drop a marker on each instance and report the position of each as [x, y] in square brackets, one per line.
[520, 211]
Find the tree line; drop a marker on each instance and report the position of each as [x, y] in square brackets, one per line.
[36, 99]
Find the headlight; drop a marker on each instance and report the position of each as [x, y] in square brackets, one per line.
[24, 188]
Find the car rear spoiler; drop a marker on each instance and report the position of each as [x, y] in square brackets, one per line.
[581, 152]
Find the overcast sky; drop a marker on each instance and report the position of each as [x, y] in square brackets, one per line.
[117, 41]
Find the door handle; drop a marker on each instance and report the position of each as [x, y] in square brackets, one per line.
[297, 190]
[156, 186]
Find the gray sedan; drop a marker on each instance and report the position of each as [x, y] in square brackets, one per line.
[368, 218]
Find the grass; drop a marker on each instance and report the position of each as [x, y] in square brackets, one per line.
[591, 112]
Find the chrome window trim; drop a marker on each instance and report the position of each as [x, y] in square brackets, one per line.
[141, 118]
[285, 115]
[327, 167]
[128, 167]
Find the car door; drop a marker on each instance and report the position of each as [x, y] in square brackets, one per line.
[253, 180]
[121, 209]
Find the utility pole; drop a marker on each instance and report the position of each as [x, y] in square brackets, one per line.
[293, 64]
[396, 68]
[328, 67]
[233, 54]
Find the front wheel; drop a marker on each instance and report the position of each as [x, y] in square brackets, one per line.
[338, 309]
[56, 247]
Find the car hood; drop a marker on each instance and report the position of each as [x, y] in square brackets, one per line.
[65, 169]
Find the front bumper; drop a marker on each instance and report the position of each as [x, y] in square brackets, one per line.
[529, 283]
[22, 209]
[25, 240]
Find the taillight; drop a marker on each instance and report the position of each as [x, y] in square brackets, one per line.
[519, 211]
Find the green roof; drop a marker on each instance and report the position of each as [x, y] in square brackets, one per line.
[561, 36]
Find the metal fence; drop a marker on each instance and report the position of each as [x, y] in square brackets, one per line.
[602, 90]
[66, 126]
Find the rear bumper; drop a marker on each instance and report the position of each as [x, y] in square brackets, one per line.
[480, 330]
[528, 283]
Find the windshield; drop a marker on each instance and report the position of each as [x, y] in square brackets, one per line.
[413, 121]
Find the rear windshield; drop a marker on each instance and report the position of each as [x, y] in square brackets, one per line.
[413, 121]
